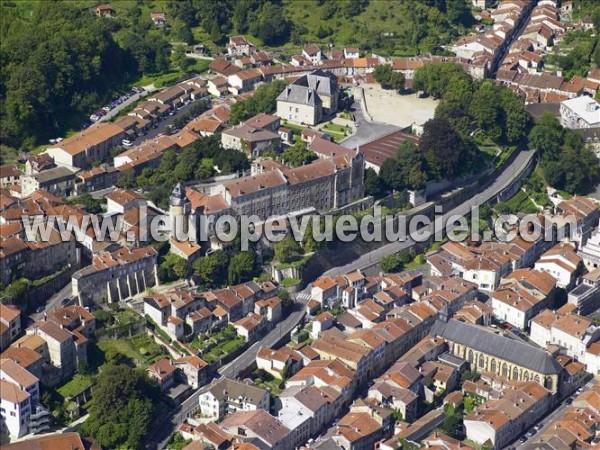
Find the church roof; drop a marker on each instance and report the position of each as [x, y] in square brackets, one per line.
[478, 338]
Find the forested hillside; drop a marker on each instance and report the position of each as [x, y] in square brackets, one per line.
[59, 61]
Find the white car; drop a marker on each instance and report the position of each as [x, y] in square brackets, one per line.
[126, 143]
[59, 139]
[94, 118]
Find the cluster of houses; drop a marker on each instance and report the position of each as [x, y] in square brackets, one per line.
[50, 352]
[249, 307]
[414, 336]
[578, 427]
[397, 331]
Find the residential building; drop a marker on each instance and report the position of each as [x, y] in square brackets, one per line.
[225, 396]
[586, 296]
[244, 80]
[13, 373]
[563, 263]
[74, 318]
[94, 144]
[269, 308]
[250, 327]
[499, 422]
[522, 295]
[239, 45]
[259, 426]
[574, 333]
[310, 98]
[9, 175]
[15, 409]
[358, 358]
[580, 112]
[163, 371]
[10, 324]
[313, 53]
[305, 410]
[97, 178]
[590, 252]
[361, 428]
[250, 140]
[281, 363]
[59, 181]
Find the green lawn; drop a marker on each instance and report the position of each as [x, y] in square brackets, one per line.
[287, 282]
[218, 345]
[170, 77]
[76, 385]
[139, 348]
[521, 202]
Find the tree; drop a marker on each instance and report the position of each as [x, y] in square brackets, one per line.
[372, 183]
[274, 29]
[298, 154]
[241, 268]
[16, 290]
[484, 109]
[516, 117]
[443, 149]
[390, 263]
[263, 100]
[547, 136]
[434, 79]
[172, 268]
[388, 79]
[287, 249]
[122, 408]
[211, 268]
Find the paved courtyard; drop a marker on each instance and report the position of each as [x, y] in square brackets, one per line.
[400, 110]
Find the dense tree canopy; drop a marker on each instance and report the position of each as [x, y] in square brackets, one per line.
[122, 408]
[263, 100]
[298, 154]
[388, 79]
[62, 62]
[566, 163]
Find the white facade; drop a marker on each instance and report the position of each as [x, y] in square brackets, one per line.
[486, 280]
[510, 314]
[15, 409]
[580, 112]
[563, 275]
[539, 334]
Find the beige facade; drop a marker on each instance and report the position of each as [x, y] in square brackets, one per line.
[483, 362]
[299, 113]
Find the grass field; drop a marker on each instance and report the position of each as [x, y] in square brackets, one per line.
[76, 385]
[140, 348]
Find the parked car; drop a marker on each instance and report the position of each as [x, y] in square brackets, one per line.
[52, 141]
[126, 143]
[94, 118]
[40, 310]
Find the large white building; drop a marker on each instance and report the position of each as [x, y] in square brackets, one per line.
[580, 112]
[309, 98]
[227, 395]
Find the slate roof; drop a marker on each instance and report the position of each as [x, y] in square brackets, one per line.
[478, 338]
